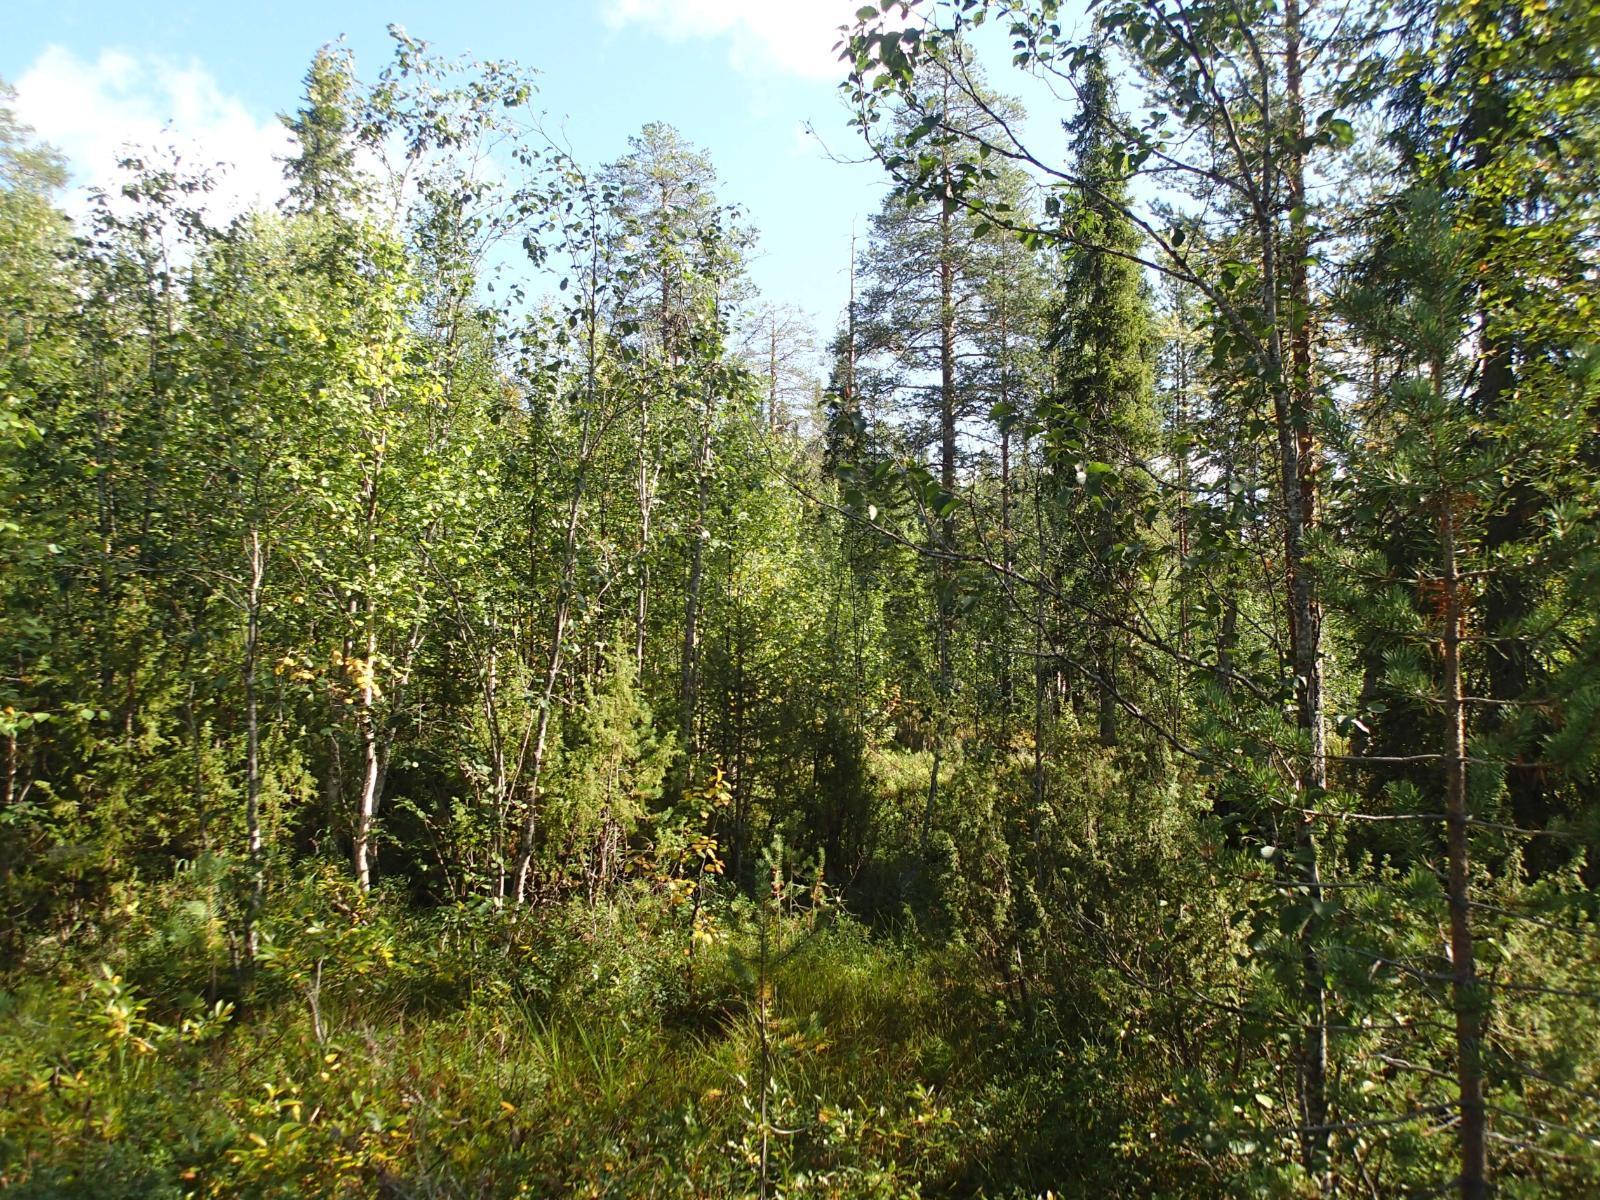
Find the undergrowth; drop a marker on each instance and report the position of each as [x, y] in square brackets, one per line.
[570, 1051]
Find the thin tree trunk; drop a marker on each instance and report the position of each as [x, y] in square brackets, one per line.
[1465, 993]
[945, 574]
[1180, 423]
[1227, 633]
[539, 731]
[367, 694]
[1291, 387]
[690, 683]
[1305, 630]
[333, 774]
[1510, 664]
[772, 376]
[499, 782]
[642, 563]
[1041, 677]
[850, 333]
[741, 786]
[12, 759]
[367, 728]
[1007, 546]
[947, 381]
[257, 565]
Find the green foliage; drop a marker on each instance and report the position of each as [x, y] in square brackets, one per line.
[1169, 714]
[580, 1075]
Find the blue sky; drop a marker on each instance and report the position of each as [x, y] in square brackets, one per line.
[739, 78]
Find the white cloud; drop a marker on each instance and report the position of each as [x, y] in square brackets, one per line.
[93, 112]
[794, 36]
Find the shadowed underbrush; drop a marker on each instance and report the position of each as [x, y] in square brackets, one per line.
[567, 1051]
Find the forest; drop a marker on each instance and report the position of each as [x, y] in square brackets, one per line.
[492, 705]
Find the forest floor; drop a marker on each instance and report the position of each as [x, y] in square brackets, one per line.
[574, 1051]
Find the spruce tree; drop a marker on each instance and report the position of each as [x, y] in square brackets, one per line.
[323, 174]
[1101, 424]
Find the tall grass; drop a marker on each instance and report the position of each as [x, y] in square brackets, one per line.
[561, 1055]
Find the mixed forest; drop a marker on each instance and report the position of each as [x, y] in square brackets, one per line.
[492, 705]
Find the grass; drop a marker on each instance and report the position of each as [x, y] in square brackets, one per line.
[570, 1055]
